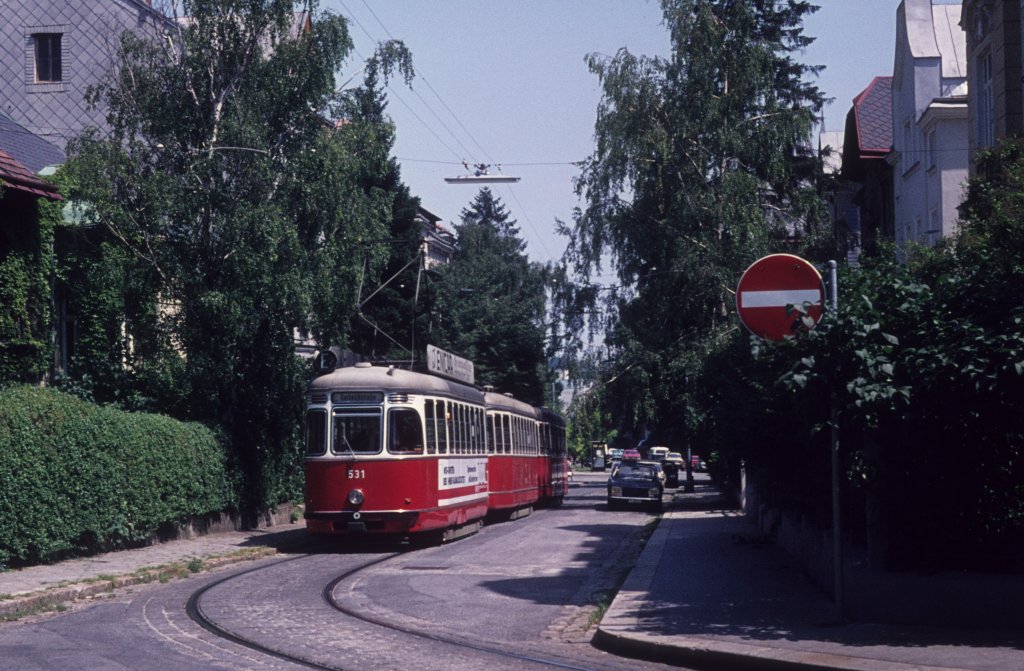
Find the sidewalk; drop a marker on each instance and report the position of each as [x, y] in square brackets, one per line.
[45, 587]
[708, 593]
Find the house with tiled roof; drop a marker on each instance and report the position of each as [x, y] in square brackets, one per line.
[26, 147]
[52, 50]
[867, 143]
[16, 177]
[929, 115]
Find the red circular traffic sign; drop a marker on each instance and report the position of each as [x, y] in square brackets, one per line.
[770, 286]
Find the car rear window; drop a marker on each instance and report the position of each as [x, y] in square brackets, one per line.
[636, 471]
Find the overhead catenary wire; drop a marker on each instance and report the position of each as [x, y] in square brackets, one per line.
[436, 94]
[536, 237]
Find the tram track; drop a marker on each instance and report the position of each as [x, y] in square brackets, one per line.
[489, 649]
[195, 611]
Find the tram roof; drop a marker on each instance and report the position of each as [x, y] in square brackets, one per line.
[546, 414]
[394, 380]
[497, 401]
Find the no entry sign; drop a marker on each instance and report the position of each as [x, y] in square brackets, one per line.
[769, 286]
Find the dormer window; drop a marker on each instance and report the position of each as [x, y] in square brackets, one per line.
[48, 57]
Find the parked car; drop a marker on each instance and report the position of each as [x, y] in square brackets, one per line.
[631, 455]
[635, 483]
[657, 453]
[696, 463]
[672, 465]
[658, 469]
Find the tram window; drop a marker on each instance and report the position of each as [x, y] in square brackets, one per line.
[501, 434]
[478, 430]
[506, 434]
[475, 434]
[316, 432]
[442, 427]
[495, 427]
[453, 428]
[489, 430]
[405, 432]
[456, 437]
[430, 422]
[356, 431]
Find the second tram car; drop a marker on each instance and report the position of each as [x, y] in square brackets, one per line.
[396, 452]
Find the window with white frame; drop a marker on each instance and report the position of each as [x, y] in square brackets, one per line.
[908, 140]
[986, 120]
[934, 226]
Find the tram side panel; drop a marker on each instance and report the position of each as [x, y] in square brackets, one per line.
[513, 478]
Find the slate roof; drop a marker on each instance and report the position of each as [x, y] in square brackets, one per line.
[30, 150]
[13, 175]
[873, 114]
[90, 29]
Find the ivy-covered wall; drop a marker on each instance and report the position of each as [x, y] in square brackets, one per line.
[26, 243]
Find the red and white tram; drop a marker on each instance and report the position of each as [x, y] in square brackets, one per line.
[390, 451]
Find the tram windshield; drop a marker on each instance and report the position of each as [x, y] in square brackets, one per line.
[356, 431]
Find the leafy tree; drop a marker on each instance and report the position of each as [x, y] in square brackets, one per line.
[240, 211]
[492, 302]
[930, 355]
[702, 164]
[390, 315]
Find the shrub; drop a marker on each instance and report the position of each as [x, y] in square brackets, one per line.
[77, 476]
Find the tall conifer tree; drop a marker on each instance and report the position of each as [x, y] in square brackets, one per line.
[492, 302]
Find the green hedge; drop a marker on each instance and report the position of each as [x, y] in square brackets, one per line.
[75, 477]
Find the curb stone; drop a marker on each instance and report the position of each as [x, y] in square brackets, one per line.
[52, 598]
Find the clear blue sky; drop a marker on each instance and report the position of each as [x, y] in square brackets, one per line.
[504, 81]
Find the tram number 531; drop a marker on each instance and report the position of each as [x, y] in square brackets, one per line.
[356, 474]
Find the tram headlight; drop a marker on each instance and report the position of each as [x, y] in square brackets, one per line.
[355, 497]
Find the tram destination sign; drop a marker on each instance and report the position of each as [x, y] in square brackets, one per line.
[448, 365]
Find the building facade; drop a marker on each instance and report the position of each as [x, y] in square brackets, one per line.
[53, 50]
[930, 121]
[993, 31]
[867, 144]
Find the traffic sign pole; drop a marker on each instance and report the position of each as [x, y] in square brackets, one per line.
[837, 518]
[765, 297]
